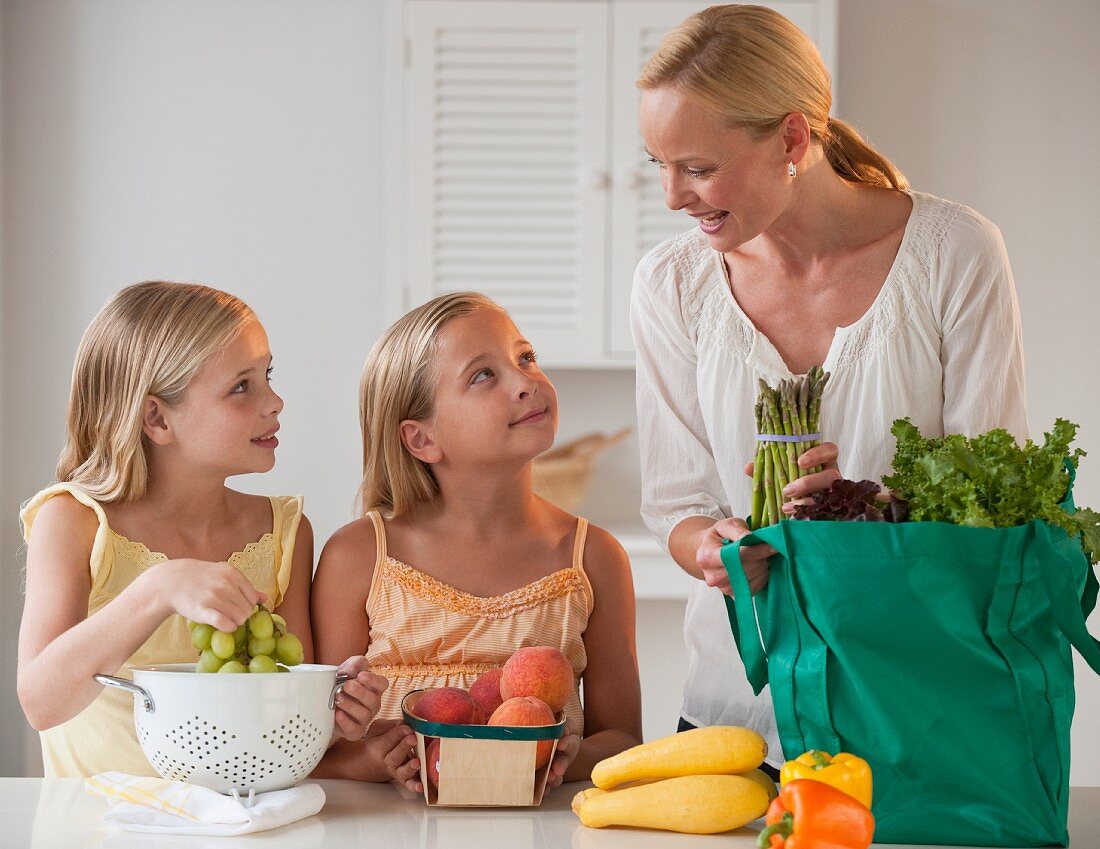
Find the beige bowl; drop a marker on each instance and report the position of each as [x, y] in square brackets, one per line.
[562, 475]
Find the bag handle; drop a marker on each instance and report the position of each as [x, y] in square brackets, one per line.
[1070, 602]
[1061, 582]
[742, 615]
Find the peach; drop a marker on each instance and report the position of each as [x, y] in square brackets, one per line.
[527, 710]
[451, 705]
[486, 691]
[431, 755]
[540, 671]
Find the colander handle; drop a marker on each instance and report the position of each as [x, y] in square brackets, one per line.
[341, 680]
[123, 684]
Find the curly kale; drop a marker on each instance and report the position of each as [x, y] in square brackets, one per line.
[989, 481]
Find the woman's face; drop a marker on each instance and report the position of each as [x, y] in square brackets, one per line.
[734, 185]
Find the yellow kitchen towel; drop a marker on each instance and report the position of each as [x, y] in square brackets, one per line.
[158, 806]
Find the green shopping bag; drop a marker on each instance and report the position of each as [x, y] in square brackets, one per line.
[939, 653]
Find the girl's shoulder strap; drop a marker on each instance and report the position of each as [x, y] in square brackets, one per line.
[379, 536]
[379, 554]
[286, 511]
[578, 560]
[101, 548]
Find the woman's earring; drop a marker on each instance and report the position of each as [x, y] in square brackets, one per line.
[791, 169]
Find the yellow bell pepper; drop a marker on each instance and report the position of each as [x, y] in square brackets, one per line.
[845, 772]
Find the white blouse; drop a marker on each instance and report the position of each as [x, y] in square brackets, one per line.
[941, 344]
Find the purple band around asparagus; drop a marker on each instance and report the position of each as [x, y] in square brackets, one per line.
[782, 437]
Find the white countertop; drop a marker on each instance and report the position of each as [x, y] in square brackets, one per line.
[58, 814]
[656, 575]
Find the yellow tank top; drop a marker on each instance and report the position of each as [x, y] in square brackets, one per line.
[426, 633]
[102, 736]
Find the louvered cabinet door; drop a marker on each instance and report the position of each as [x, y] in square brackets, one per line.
[506, 129]
[640, 218]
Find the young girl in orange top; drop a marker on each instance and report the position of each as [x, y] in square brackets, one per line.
[170, 396]
[455, 562]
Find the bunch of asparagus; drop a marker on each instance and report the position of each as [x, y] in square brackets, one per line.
[791, 409]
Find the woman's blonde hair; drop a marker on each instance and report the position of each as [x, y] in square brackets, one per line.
[398, 383]
[751, 67]
[149, 339]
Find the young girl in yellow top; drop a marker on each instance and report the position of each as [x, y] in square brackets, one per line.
[456, 563]
[170, 396]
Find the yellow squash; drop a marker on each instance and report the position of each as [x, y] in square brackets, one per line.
[764, 780]
[584, 795]
[714, 750]
[692, 804]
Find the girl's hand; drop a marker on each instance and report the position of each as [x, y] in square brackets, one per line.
[567, 749]
[359, 699]
[214, 593]
[393, 745]
[754, 558]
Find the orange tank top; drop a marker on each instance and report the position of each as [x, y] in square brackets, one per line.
[426, 633]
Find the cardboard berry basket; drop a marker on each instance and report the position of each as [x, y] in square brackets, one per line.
[482, 765]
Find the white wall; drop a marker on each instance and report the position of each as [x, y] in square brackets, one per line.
[993, 103]
[11, 722]
[239, 143]
[236, 143]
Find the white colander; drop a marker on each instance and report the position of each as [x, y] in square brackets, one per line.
[260, 732]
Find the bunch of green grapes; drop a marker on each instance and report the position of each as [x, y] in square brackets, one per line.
[261, 644]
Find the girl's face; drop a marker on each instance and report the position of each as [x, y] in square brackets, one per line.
[493, 404]
[228, 416]
[734, 185]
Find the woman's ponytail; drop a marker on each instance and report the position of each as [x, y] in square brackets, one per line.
[855, 160]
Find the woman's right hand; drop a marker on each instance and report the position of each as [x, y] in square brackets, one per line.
[708, 555]
[202, 591]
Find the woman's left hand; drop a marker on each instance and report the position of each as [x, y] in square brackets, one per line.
[359, 699]
[825, 455]
[566, 750]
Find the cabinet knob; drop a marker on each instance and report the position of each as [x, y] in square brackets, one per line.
[597, 179]
[631, 178]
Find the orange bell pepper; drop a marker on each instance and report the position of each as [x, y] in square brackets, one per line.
[844, 772]
[811, 815]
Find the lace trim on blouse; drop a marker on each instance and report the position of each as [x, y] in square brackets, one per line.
[906, 288]
[249, 560]
[433, 670]
[423, 585]
[711, 315]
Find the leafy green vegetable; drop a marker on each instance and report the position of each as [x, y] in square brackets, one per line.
[850, 501]
[989, 481]
[1089, 522]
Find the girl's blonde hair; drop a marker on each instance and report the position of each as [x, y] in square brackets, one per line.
[398, 383]
[751, 67]
[149, 339]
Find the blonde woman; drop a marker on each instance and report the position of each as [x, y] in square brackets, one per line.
[455, 562]
[171, 395]
[809, 249]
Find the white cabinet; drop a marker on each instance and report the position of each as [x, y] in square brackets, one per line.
[507, 150]
[522, 174]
